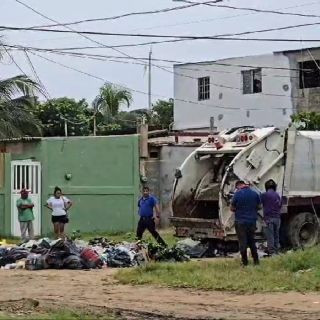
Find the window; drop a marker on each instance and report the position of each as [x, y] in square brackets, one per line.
[251, 81]
[309, 74]
[204, 88]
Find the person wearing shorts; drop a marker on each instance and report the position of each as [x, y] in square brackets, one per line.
[59, 206]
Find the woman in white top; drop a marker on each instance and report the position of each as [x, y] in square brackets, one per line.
[59, 206]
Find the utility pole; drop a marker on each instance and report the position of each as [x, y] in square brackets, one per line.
[65, 127]
[94, 125]
[149, 81]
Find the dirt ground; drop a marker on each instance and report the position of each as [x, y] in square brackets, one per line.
[26, 292]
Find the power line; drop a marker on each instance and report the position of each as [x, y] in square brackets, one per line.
[157, 95]
[120, 60]
[218, 35]
[220, 18]
[179, 63]
[136, 35]
[130, 14]
[257, 10]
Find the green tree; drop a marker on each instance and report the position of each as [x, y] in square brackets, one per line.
[110, 99]
[17, 101]
[53, 114]
[306, 120]
[162, 114]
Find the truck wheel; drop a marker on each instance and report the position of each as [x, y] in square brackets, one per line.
[303, 231]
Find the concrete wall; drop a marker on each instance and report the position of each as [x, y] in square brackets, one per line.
[227, 104]
[160, 173]
[307, 99]
[104, 185]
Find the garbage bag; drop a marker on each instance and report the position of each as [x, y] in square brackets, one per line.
[36, 262]
[72, 262]
[3, 252]
[18, 253]
[120, 257]
[91, 259]
[60, 250]
[194, 249]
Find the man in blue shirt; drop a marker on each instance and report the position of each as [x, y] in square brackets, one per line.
[271, 202]
[246, 203]
[147, 205]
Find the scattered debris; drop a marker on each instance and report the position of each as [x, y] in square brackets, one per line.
[194, 249]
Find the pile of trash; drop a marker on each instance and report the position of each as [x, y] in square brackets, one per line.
[79, 254]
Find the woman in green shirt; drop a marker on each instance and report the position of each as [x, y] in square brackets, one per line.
[25, 215]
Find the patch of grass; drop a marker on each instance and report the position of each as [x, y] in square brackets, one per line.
[168, 236]
[293, 271]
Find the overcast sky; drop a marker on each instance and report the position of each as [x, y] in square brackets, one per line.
[201, 20]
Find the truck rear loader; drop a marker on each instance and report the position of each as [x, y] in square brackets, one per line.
[205, 183]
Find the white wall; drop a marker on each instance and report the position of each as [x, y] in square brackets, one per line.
[195, 114]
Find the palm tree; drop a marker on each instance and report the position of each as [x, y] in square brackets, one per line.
[16, 102]
[110, 99]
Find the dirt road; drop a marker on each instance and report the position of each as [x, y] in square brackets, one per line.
[98, 292]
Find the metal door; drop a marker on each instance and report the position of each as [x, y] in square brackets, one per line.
[25, 174]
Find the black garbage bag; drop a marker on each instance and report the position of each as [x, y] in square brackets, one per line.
[59, 251]
[3, 252]
[120, 258]
[13, 255]
[36, 262]
[72, 262]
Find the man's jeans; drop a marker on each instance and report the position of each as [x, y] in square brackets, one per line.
[245, 233]
[272, 234]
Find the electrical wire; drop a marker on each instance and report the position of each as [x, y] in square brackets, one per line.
[220, 18]
[179, 64]
[220, 35]
[154, 94]
[195, 78]
[177, 37]
[165, 10]
[130, 14]
[257, 10]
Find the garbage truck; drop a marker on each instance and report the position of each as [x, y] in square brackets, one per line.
[205, 183]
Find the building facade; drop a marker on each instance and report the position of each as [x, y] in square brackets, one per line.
[99, 174]
[260, 90]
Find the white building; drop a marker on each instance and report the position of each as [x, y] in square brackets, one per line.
[255, 90]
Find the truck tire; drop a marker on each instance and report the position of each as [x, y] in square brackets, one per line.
[303, 231]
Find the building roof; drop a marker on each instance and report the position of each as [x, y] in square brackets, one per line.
[298, 50]
[247, 56]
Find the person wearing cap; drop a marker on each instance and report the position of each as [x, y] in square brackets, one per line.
[272, 203]
[25, 215]
[245, 204]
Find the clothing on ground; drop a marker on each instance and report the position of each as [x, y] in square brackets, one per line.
[271, 202]
[146, 206]
[25, 215]
[58, 205]
[246, 202]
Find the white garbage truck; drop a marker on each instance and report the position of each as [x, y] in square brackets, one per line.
[205, 183]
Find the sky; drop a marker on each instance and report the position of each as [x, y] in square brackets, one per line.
[202, 20]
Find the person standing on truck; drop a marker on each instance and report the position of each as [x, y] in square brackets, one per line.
[147, 204]
[245, 204]
[271, 202]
